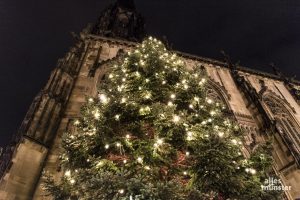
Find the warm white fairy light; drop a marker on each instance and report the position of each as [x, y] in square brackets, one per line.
[127, 136]
[196, 99]
[99, 164]
[234, 141]
[121, 191]
[189, 136]
[103, 98]
[91, 100]
[159, 141]
[173, 96]
[170, 103]
[76, 122]
[110, 76]
[209, 101]
[97, 115]
[191, 106]
[118, 144]
[176, 118]
[125, 161]
[147, 80]
[72, 181]
[147, 168]
[140, 159]
[163, 82]
[68, 173]
[221, 134]
[252, 171]
[123, 100]
[187, 153]
[106, 146]
[117, 117]
[185, 173]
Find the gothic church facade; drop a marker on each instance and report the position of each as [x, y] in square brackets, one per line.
[265, 105]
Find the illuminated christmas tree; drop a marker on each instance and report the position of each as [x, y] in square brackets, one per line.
[152, 133]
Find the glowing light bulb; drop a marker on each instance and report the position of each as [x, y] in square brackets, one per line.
[72, 181]
[170, 103]
[221, 134]
[91, 100]
[191, 106]
[103, 98]
[123, 100]
[173, 96]
[100, 164]
[185, 173]
[118, 144]
[117, 117]
[127, 136]
[252, 171]
[121, 191]
[187, 153]
[159, 141]
[106, 146]
[125, 161]
[97, 115]
[176, 118]
[68, 173]
[147, 167]
[77, 122]
[140, 160]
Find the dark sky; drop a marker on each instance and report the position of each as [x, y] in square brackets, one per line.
[35, 33]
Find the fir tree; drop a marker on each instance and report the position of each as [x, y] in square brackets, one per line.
[154, 134]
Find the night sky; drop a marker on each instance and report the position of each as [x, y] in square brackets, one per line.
[35, 33]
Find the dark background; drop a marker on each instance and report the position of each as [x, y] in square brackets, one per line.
[35, 33]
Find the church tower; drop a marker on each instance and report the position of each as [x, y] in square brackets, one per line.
[58, 103]
[265, 105]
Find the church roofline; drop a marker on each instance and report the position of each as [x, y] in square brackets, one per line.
[198, 58]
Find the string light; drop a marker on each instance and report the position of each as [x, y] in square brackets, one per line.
[121, 191]
[103, 98]
[140, 159]
[221, 134]
[72, 181]
[117, 117]
[123, 100]
[97, 115]
[176, 118]
[68, 173]
[173, 96]
[170, 103]
[106, 146]
[100, 164]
